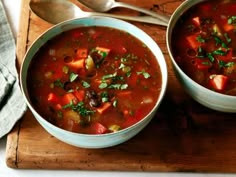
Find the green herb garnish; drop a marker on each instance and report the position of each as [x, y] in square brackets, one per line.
[73, 77]
[80, 108]
[144, 73]
[58, 83]
[85, 84]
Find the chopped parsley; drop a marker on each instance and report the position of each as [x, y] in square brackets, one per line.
[145, 74]
[85, 84]
[58, 83]
[232, 20]
[80, 108]
[201, 39]
[73, 77]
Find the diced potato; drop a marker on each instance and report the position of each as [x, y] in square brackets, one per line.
[89, 63]
[126, 69]
[65, 69]
[217, 30]
[72, 115]
[114, 128]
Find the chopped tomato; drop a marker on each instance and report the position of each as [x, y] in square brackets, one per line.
[218, 82]
[82, 53]
[58, 107]
[52, 97]
[68, 97]
[98, 128]
[80, 94]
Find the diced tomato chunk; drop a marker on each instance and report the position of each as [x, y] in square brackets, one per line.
[80, 94]
[218, 82]
[98, 128]
[58, 106]
[52, 97]
[68, 97]
[82, 53]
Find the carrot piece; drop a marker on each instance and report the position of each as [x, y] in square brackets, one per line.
[78, 64]
[103, 49]
[98, 128]
[82, 53]
[219, 82]
[52, 97]
[125, 93]
[68, 97]
[80, 94]
[104, 107]
[228, 27]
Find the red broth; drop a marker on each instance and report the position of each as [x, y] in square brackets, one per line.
[204, 45]
[94, 80]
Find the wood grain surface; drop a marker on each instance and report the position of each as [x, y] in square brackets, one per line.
[183, 136]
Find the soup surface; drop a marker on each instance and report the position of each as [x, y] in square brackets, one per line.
[94, 80]
[204, 45]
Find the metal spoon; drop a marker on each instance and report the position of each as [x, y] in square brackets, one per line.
[57, 11]
[106, 5]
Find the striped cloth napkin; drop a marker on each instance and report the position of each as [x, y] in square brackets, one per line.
[12, 105]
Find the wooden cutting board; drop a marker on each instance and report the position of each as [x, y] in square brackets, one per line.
[183, 136]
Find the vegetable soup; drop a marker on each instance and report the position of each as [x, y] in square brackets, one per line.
[94, 80]
[204, 45]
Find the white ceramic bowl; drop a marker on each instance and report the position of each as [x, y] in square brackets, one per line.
[206, 97]
[84, 140]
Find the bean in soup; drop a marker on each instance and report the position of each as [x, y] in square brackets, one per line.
[204, 45]
[94, 80]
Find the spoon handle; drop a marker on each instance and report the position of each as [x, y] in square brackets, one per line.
[145, 11]
[145, 19]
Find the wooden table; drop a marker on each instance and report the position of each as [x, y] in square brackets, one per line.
[183, 136]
